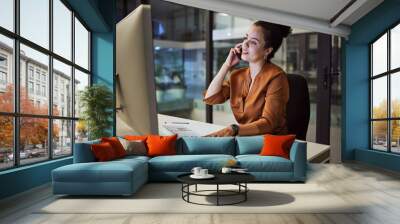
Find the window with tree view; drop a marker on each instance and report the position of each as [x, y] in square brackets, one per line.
[40, 80]
[385, 94]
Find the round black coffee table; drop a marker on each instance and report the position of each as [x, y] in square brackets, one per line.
[238, 179]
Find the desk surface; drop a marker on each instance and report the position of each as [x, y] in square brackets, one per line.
[168, 125]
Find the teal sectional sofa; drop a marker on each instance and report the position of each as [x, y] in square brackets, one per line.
[125, 176]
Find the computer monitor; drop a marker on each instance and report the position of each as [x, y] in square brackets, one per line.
[135, 85]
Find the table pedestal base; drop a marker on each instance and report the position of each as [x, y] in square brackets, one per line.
[220, 193]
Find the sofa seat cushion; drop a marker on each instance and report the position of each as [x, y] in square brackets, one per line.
[185, 163]
[111, 171]
[133, 157]
[257, 163]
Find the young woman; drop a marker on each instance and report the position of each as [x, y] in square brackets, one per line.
[258, 94]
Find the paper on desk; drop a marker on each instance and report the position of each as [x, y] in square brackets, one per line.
[185, 127]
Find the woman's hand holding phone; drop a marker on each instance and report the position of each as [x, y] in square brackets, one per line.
[234, 55]
[232, 60]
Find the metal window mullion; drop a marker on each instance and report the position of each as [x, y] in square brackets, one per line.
[81, 68]
[73, 83]
[42, 50]
[8, 113]
[50, 81]
[383, 119]
[385, 73]
[37, 47]
[371, 89]
[389, 94]
[7, 33]
[38, 116]
[89, 52]
[16, 84]
[89, 59]
[48, 52]
[115, 82]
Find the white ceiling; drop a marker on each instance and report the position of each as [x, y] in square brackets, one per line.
[312, 15]
[319, 9]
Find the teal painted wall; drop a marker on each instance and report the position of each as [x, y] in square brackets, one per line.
[356, 99]
[356, 85]
[103, 63]
[24, 178]
[103, 51]
[102, 58]
[380, 159]
[99, 16]
[92, 14]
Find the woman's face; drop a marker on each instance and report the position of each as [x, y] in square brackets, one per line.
[253, 45]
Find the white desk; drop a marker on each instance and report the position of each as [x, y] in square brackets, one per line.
[185, 127]
[318, 153]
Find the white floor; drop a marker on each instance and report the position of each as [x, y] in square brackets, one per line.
[377, 189]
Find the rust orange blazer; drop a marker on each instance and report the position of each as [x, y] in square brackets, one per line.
[260, 109]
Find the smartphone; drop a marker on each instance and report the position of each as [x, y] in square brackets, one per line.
[239, 55]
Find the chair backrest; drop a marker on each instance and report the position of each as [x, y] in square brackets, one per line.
[298, 106]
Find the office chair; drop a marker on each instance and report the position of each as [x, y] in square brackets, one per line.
[298, 106]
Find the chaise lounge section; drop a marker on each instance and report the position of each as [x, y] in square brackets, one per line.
[88, 177]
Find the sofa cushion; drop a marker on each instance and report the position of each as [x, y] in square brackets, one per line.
[111, 171]
[185, 163]
[206, 145]
[83, 152]
[257, 163]
[130, 158]
[134, 147]
[249, 144]
[116, 145]
[161, 145]
[103, 152]
[277, 145]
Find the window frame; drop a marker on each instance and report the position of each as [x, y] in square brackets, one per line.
[16, 114]
[3, 77]
[388, 74]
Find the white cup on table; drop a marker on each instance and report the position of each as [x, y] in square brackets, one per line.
[203, 172]
[226, 170]
[196, 171]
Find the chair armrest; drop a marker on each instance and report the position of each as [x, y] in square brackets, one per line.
[83, 152]
[298, 155]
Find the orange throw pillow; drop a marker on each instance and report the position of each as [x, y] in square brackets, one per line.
[161, 145]
[103, 152]
[277, 145]
[116, 145]
[135, 137]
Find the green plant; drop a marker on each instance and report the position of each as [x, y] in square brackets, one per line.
[96, 102]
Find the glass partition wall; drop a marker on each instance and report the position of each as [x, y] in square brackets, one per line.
[40, 80]
[179, 59]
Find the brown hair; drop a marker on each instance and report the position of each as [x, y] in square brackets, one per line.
[273, 35]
